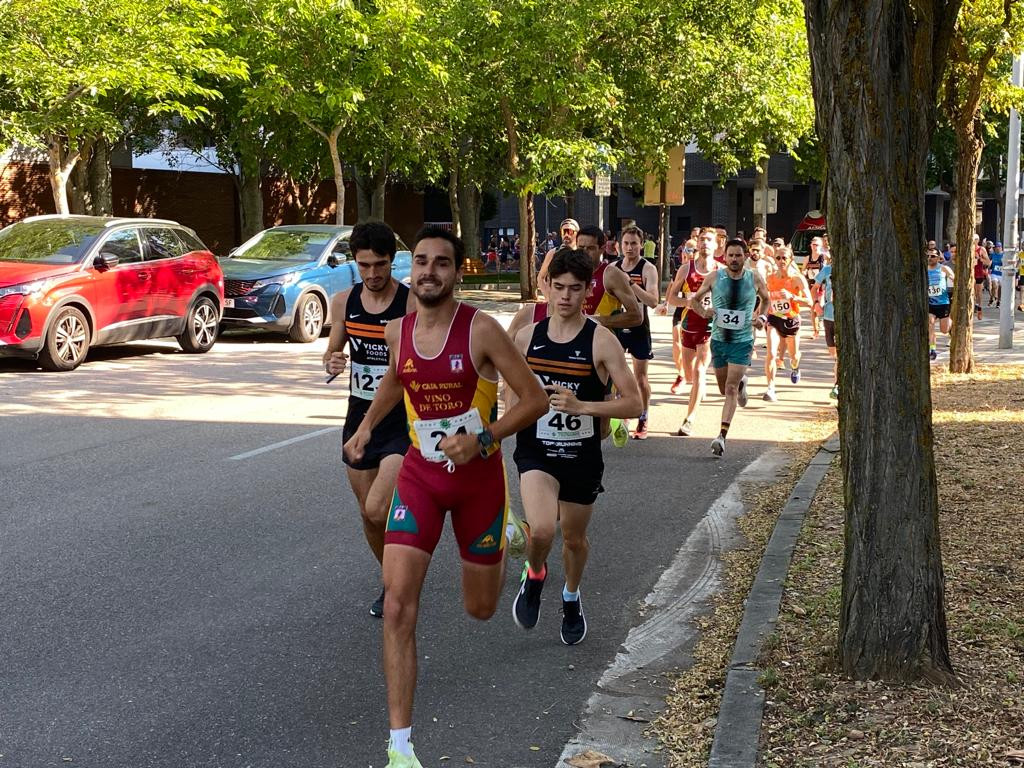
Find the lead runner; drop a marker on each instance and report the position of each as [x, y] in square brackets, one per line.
[445, 359]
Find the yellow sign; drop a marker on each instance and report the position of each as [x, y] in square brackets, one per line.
[669, 191]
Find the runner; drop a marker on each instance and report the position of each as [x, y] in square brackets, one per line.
[981, 264]
[815, 261]
[643, 278]
[695, 328]
[676, 288]
[569, 229]
[1020, 281]
[939, 276]
[735, 292]
[823, 295]
[559, 457]
[789, 293]
[446, 358]
[359, 316]
[995, 274]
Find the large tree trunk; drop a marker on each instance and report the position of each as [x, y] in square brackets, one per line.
[470, 201]
[339, 175]
[370, 189]
[954, 219]
[876, 66]
[62, 162]
[761, 183]
[453, 201]
[969, 145]
[527, 238]
[250, 200]
[79, 196]
[101, 184]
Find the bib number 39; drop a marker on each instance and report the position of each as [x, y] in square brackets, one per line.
[732, 319]
[431, 432]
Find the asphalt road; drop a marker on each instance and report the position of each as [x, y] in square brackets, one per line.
[182, 589]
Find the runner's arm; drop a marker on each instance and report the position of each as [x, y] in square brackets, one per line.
[542, 273]
[339, 336]
[521, 319]
[805, 292]
[608, 354]
[521, 341]
[672, 297]
[616, 283]
[764, 301]
[694, 302]
[650, 292]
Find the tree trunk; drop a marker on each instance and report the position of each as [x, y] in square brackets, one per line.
[761, 183]
[101, 185]
[570, 205]
[62, 162]
[250, 200]
[527, 239]
[339, 175]
[469, 217]
[875, 95]
[954, 218]
[79, 197]
[969, 145]
[453, 201]
[370, 189]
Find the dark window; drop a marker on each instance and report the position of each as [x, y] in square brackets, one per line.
[192, 243]
[162, 243]
[125, 245]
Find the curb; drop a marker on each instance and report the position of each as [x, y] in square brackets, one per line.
[738, 729]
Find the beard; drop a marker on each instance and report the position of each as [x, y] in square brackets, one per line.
[433, 294]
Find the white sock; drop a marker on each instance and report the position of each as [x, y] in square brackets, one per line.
[400, 741]
[570, 596]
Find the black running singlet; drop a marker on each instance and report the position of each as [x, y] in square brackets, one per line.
[558, 435]
[636, 277]
[368, 351]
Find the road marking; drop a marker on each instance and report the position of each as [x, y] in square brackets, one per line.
[283, 443]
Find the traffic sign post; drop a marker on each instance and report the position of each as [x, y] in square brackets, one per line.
[772, 202]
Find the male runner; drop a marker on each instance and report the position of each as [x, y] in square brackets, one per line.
[446, 358]
[1020, 281]
[995, 273]
[644, 282]
[823, 293]
[569, 229]
[559, 457]
[981, 265]
[789, 292]
[939, 276]
[359, 316]
[676, 288]
[735, 292]
[696, 330]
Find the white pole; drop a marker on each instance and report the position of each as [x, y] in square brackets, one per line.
[1010, 249]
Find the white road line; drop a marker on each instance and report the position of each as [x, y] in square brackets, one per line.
[283, 443]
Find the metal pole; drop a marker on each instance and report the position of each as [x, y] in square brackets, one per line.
[1010, 249]
[600, 213]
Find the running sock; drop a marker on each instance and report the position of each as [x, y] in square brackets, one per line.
[538, 575]
[570, 597]
[643, 416]
[725, 429]
[400, 741]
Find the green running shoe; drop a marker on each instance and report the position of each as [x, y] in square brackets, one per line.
[517, 534]
[397, 760]
[620, 432]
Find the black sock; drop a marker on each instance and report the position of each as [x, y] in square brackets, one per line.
[725, 429]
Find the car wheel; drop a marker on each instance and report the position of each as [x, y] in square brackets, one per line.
[67, 341]
[309, 320]
[200, 327]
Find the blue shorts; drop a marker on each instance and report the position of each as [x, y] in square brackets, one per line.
[724, 353]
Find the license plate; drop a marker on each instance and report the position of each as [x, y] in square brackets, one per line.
[229, 303]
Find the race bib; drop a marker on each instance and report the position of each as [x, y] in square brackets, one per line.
[935, 290]
[781, 306]
[366, 380]
[705, 301]
[730, 319]
[562, 427]
[430, 432]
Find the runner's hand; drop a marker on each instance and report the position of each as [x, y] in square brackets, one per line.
[758, 323]
[460, 448]
[563, 399]
[355, 448]
[336, 363]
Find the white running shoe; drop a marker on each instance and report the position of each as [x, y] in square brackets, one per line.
[718, 446]
[770, 396]
[742, 398]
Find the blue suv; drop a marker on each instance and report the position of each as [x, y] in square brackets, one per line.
[283, 278]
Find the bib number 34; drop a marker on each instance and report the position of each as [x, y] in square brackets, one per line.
[733, 319]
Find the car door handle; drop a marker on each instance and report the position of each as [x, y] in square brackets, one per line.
[142, 275]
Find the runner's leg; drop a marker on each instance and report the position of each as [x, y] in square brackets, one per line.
[771, 360]
[374, 519]
[730, 388]
[574, 520]
[539, 492]
[404, 571]
[700, 360]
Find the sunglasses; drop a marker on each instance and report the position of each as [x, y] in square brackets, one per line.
[689, 250]
[782, 258]
[568, 231]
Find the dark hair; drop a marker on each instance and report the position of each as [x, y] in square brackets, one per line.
[429, 232]
[595, 232]
[736, 241]
[375, 236]
[632, 230]
[575, 261]
[720, 226]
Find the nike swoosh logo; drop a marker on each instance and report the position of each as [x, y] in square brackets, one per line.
[539, 346]
[355, 315]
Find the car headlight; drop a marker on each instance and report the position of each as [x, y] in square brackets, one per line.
[25, 289]
[282, 280]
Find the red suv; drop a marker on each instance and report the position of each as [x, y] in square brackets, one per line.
[71, 282]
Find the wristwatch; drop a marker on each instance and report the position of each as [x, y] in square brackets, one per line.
[486, 440]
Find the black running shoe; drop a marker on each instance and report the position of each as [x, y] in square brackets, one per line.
[377, 609]
[526, 608]
[574, 623]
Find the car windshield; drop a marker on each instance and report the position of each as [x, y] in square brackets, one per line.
[802, 240]
[50, 241]
[285, 245]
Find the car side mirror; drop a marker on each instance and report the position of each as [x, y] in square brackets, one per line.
[105, 260]
[332, 261]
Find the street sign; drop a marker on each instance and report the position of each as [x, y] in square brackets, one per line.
[670, 190]
[773, 202]
[602, 185]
